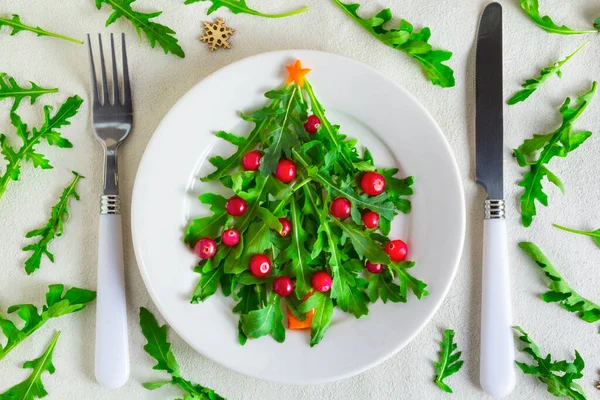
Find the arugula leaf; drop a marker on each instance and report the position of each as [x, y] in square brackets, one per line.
[54, 227]
[556, 144]
[240, 7]
[57, 305]
[406, 39]
[18, 26]
[261, 322]
[449, 363]
[593, 234]
[597, 23]
[296, 253]
[545, 370]
[382, 286]
[9, 88]
[281, 137]
[207, 226]
[407, 281]
[155, 32]
[323, 306]
[349, 289]
[48, 131]
[33, 387]
[531, 7]
[560, 292]
[159, 348]
[251, 298]
[531, 85]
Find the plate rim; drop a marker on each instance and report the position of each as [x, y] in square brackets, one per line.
[455, 262]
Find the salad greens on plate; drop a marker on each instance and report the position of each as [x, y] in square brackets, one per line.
[307, 223]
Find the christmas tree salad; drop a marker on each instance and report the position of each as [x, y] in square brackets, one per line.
[305, 228]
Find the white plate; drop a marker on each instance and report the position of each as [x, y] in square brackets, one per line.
[369, 107]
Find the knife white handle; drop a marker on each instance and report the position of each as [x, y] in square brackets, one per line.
[497, 369]
[112, 345]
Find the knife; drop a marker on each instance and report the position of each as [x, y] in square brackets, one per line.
[497, 373]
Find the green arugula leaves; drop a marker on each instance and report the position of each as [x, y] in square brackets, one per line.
[406, 39]
[597, 23]
[531, 85]
[560, 292]
[240, 7]
[33, 387]
[48, 131]
[159, 348]
[546, 370]
[17, 26]
[449, 363]
[328, 166]
[531, 7]
[593, 234]
[9, 88]
[556, 144]
[53, 228]
[57, 305]
[155, 32]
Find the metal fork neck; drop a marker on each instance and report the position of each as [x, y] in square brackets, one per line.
[111, 177]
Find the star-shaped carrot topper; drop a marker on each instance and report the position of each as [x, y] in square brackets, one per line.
[296, 73]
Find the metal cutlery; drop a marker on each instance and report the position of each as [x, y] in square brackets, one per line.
[497, 374]
[112, 119]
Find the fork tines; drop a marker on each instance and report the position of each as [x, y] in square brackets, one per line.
[105, 100]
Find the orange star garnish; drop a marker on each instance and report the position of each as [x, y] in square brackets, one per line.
[296, 73]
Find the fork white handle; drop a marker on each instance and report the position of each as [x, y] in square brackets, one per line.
[497, 370]
[112, 347]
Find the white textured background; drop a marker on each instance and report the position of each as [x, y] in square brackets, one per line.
[160, 80]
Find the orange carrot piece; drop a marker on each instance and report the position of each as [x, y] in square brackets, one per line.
[295, 323]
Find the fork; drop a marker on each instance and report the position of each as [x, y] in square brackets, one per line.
[112, 121]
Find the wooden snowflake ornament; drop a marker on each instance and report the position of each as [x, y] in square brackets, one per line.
[216, 34]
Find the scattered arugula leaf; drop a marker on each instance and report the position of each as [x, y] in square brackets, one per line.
[53, 228]
[406, 39]
[556, 144]
[240, 7]
[545, 370]
[18, 26]
[531, 85]
[48, 131]
[155, 32]
[57, 305]
[449, 363]
[560, 292]
[593, 234]
[531, 7]
[159, 348]
[33, 387]
[597, 23]
[9, 88]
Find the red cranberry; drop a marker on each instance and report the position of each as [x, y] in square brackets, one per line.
[340, 208]
[374, 268]
[230, 237]
[313, 124]
[321, 281]
[286, 227]
[283, 286]
[236, 206]
[205, 248]
[370, 219]
[373, 183]
[251, 161]
[260, 265]
[286, 171]
[397, 250]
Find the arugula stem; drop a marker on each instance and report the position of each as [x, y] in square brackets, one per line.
[585, 233]
[282, 15]
[7, 349]
[39, 31]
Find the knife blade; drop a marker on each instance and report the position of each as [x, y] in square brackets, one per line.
[497, 373]
[489, 103]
